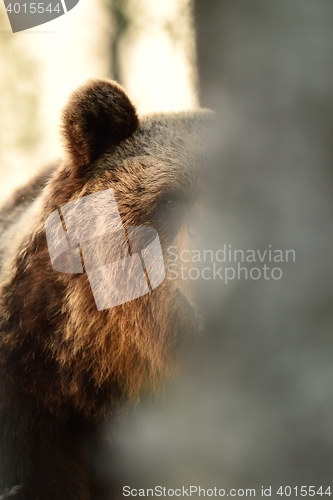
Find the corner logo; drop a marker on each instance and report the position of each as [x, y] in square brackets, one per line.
[24, 14]
[121, 263]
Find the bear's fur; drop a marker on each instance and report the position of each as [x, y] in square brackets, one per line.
[65, 366]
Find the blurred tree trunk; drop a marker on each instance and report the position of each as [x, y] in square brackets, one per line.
[152, 52]
[121, 23]
[266, 68]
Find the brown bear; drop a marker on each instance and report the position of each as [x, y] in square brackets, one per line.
[66, 365]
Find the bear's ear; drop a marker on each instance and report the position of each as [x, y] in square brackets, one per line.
[99, 114]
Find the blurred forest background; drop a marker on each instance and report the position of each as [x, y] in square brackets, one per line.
[145, 45]
[254, 404]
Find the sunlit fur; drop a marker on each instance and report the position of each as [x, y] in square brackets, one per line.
[62, 359]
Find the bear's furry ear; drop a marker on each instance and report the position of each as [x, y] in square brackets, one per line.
[98, 115]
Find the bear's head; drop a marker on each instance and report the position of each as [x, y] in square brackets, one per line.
[150, 166]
